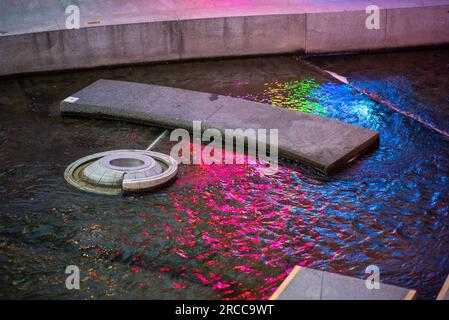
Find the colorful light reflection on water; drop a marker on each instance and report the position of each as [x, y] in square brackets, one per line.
[221, 231]
[294, 95]
[267, 225]
[239, 233]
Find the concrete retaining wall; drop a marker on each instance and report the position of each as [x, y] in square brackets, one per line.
[202, 35]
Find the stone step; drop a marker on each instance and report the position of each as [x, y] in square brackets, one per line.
[310, 284]
[323, 143]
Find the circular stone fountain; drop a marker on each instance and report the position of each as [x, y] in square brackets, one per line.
[121, 171]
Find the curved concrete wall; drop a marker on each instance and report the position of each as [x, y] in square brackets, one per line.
[322, 143]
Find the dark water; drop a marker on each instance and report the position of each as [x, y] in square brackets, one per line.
[221, 231]
[419, 87]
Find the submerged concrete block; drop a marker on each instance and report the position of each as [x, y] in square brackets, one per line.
[321, 142]
[142, 103]
[309, 284]
[324, 143]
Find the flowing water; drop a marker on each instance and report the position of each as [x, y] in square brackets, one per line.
[220, 231]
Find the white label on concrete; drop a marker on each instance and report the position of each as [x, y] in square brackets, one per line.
[71, 99]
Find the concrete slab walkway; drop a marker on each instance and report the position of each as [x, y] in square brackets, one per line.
[323, 143]
[33, 34]
[309, 284]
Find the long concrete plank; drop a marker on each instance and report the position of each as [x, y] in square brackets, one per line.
[322, 143]
[310, 284]
[33, 36]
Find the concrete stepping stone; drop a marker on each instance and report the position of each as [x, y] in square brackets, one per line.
[323, 143]
[444, 292]
[309, 284]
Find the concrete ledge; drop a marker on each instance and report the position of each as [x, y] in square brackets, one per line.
[33, 38]
[309, 284]
[334, 32]
[239, 36]
[408, 27]
[89, 47]
[321, 142]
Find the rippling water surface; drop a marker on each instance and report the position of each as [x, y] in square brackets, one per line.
[417, 87]
[220, 231]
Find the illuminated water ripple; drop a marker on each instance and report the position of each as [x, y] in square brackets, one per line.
[220, 231]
